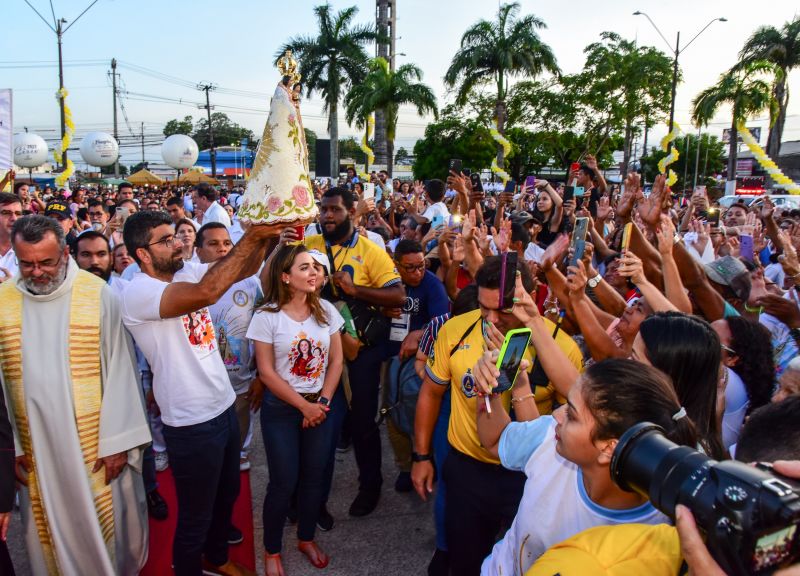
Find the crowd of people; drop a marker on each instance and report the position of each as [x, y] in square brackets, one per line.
[171, 330]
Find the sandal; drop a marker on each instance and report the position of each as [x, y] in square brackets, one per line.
[315, 555]
[273, 565]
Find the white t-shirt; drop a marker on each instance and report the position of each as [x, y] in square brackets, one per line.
[376, 239]
[216, 213]
[438, 209]
[301, 348]
[190, 381]
[736, 404]
[554, 505]
[9, 262]
[231, 316]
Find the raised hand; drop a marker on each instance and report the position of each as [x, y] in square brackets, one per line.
[604, 209]
[631, 267]
[651, 208]
[576, 280]
[502, 238]
[665, 234]
[555, 252]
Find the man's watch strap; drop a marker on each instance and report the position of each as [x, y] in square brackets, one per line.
[421, 457]
[593, 282]
[324, 401]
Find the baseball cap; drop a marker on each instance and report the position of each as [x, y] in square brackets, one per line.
[321, 259]
[521, 217]
[730, 271]
[58, 209]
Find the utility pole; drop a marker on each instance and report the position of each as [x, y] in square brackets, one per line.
[207, 88]
[59, 30]
[697, 160]
[143, 166]
[116, 134]
[685, 162]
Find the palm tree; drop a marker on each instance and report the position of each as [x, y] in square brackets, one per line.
[745, 90]
[384, 90]
[782, 48]
[507, 47]
[331, 62]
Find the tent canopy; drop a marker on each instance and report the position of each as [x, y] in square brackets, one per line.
[144, 176]
[195, 177]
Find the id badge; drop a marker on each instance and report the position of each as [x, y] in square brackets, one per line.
[399, 328]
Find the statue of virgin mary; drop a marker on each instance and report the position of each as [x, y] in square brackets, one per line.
[279, 187]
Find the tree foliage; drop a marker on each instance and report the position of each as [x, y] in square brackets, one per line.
[711, 160]
[225, 130]
[452, 137]
[175, 126]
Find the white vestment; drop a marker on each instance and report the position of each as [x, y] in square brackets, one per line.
[62, 476]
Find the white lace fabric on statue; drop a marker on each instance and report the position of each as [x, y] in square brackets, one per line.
[279, 188]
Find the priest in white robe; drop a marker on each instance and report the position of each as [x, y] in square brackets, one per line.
[70, 380]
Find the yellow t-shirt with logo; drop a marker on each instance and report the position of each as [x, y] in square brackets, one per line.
[364, 260]
[456, 371]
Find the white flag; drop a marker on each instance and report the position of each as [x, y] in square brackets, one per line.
[6, 131]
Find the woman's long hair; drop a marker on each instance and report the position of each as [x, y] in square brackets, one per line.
[756, 366]
[687, 349]
[277, 294]
[621, 392]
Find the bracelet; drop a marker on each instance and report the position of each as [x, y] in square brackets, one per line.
[521, 398]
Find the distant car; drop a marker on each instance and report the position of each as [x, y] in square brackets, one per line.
[781, 200]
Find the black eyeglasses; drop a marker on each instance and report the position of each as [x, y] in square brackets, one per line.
[167, 241]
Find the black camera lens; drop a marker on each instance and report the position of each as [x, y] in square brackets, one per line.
[644, 454]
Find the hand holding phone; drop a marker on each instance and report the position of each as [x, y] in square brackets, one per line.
[455, 165]
[578, 240]
[369, 190]
[508, 280]
[511, 355]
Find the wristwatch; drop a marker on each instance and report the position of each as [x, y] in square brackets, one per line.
[324, 401]
[593, 282]
[421, 457]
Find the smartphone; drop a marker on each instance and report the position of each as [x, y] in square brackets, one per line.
[437, 221]
[477, 185]
[746, 250]
[511, 354]
[626, 236]
[369, 190]
[467, 172]
[569, 193]
[579, 191]
[712, 217]
[455, 222]
[508, 280]
[511, 187]
[530, 183]
[455, 165]
[123, 213]
[578, 240]
[575, 166]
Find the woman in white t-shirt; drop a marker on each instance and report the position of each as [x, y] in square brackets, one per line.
[298, 351]
[567, 456]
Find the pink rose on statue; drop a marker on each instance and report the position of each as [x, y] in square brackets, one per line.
[301, 196]
[291, 119]
[273, 203]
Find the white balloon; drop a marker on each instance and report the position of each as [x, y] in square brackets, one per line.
[179, 151]
[99, 149]
[30, 150]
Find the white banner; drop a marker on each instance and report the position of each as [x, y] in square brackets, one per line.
[6, 130]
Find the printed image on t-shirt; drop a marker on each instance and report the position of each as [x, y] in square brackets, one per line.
[306, 357]
[200, 331]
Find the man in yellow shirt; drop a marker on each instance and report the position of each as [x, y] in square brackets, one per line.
[359, 270]
[481, 495]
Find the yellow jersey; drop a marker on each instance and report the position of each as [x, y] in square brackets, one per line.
[456, 371]
[364, 260]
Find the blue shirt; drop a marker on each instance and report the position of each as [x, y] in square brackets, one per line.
[423, 303]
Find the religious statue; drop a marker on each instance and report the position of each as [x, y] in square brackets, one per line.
[279, 187]
[288, 67]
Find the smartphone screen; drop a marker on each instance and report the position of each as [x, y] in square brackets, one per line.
[569, 193]
[455, 165]
[508, 280]
[746, 247]
[369, 190]
[530, 183]
[455, 222]
[578, 240]
[511, 187]
[712, 217]
[511, 355]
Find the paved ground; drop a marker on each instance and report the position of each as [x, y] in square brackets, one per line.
[396, 539]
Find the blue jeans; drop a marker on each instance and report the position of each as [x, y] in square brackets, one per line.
[205, 464]
[441, 448]
[296, 457]
[336, 416]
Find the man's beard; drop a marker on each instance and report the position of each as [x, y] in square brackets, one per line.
[97, 271]
[339, 233]
[167, 265]
[53, 281]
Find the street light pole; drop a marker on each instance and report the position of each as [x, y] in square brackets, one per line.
[59, 34]
[676, 53]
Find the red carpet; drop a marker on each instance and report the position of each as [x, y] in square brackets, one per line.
[159, 561]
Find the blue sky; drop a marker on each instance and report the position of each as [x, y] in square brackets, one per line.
[232, 44]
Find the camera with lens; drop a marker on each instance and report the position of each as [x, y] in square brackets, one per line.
[749, 514]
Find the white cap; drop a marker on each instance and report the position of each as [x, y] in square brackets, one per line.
[321, 259]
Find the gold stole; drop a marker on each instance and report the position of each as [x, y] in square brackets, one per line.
[87, 394]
